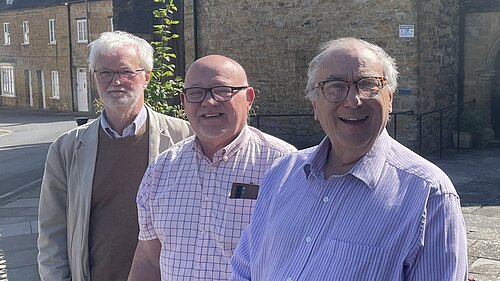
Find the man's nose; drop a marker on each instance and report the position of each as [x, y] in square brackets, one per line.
[209, 99]
[353, 98]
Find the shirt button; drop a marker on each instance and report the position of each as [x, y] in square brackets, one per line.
[308, 239]
[325, 199]
[225, 158]
[207, 198]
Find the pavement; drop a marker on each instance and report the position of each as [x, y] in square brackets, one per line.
[475, 173]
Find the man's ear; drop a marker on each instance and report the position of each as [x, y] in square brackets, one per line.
[250, 95]
[313, 102]
[183, 98]
[148, 77]
[390, 101]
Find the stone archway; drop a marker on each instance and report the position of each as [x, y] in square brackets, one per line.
[491, 77]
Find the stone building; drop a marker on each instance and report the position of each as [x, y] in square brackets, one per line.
[482, 57]
[447, 53]
[43, 55]
[274, 41]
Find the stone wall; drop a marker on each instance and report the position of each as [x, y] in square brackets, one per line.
[482, 45]
[275, 40]
[39, 55]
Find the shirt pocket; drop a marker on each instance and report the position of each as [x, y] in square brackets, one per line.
[232, 218]
[348, 261]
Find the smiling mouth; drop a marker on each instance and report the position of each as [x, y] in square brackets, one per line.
[211, 115]
[354, 120]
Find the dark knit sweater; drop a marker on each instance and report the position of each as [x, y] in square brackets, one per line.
[119, 168]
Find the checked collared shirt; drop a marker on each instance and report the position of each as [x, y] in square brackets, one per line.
[183, 201]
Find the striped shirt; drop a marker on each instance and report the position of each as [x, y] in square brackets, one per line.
[183, 201]
[393, 216]
[130, 130]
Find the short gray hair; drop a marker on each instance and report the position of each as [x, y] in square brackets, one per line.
[388, 64]
[109, 42]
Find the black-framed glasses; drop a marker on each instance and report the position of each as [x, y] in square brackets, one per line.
[219, 93]
[336, 90]
[106, 75]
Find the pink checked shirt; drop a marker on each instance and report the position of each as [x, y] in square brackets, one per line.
[184, 201]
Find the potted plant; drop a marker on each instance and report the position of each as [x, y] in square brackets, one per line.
[471, 125]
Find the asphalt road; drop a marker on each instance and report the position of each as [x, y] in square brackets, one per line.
[24, 140]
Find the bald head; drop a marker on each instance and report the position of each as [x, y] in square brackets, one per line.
[223, 69]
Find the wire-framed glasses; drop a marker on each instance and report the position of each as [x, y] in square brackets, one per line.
[336, 90]
[219, 93]
[106, 75]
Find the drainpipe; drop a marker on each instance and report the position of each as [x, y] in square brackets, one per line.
[460, 74]
[196, 27]
[461, 56]
[70, 47]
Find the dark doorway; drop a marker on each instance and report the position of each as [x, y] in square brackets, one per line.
[495, 99]
[40, 89]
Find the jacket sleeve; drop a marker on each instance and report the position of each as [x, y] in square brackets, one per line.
[53, 262]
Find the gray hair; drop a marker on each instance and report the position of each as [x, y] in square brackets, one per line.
[109, 42]
[388, 64]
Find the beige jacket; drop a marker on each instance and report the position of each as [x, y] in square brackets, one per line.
[63, 216]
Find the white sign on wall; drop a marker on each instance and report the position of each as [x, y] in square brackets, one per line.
[407, 30]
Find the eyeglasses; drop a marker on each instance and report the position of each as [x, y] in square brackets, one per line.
[219, 93]
[106, 76]
[337, 90]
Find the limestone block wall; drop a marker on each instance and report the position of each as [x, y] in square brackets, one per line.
[275, 40]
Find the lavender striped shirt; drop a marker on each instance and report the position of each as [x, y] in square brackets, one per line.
[394, 216]
[183, 201]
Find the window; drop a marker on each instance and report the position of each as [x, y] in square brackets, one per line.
[26, 32]
[81, 29]
[52, 31]
[6, 34]
[112, 26]
[7, 80]
[55, 84]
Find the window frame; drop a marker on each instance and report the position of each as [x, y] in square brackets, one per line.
[6, 33]
[81, 31]
[54, 81]
[112, 25]
[8, 88]
[52, 31]
[26, 32]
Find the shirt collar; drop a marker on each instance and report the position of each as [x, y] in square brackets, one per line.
[226, 152]
[130, 130]
[368, 169]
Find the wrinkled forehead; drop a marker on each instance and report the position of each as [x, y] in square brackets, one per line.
[349, 63]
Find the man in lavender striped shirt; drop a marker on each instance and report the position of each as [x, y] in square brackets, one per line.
[359, 206]
[197, 197]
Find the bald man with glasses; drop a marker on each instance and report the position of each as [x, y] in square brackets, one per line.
[197, 197]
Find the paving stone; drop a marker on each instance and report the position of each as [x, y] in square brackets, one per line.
[20, 274]
[487, 249]
[486, 267]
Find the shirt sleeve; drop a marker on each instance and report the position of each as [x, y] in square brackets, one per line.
[146, 229]
[240, 261]
[443, 255]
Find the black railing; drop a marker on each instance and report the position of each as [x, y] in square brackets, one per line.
[394, 117]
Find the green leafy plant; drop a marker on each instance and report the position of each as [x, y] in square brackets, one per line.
[472, 122]
[164, 87]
